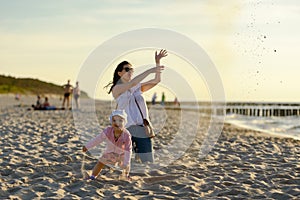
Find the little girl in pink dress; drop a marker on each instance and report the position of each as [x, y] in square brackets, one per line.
[118, 145]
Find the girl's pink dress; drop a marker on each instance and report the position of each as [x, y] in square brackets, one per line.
[117, 150]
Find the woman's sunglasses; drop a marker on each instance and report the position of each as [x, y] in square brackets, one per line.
[127, 69]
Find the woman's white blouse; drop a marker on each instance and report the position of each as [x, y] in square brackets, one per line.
[126, 102]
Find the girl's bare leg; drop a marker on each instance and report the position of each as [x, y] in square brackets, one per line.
[97, 169]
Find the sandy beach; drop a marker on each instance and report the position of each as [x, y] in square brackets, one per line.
[41, 158]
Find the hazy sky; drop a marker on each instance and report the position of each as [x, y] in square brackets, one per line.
[254, 44]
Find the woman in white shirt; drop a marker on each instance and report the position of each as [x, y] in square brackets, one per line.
[128, 93]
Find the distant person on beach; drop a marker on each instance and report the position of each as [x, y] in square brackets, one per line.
[46, 102]
[163, 98]
[128, 94]
[68, 90]
[176, 102]
[47, 106]
[118, 145]
[76, 94]
[43, 106]
[38, 105]
[153, 100]
[17, 97]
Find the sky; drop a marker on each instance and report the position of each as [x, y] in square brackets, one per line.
[253, 44]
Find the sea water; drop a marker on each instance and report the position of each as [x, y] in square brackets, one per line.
[287, 126]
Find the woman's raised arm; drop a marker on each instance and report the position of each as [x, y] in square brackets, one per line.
[122, 87]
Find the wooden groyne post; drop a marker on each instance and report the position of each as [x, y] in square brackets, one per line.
[263, 109]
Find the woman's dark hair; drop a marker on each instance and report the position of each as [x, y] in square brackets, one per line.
[116, 76]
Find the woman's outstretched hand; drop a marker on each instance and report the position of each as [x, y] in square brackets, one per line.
[162, 53]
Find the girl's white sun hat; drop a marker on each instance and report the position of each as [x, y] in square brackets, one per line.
[120, 113]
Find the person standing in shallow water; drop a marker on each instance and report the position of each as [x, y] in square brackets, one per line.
[68, 90]
[127, 91]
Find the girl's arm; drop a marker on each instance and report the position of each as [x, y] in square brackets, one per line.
[121, 88]
[95, 141]
[128, 151]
